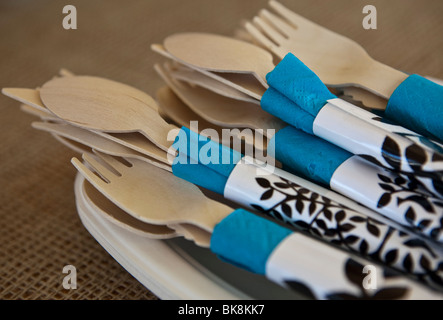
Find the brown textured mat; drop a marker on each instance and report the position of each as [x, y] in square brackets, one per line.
[40, 229]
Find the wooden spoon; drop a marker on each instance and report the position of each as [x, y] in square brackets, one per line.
[30, 97]
[182, 115]
[220, 54]
[220, 110]
[242, 82]
[45, 114]
[94, 141]
[199, 79]
[101, 104]
[133, 140]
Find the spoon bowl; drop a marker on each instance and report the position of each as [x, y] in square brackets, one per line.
[100, 104]
[220, 54]
[220, 110]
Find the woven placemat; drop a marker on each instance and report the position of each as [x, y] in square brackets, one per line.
[40, 229]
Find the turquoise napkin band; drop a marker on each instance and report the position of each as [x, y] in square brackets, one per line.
[417, 103]
[250, 248]
[278, 105]
[298, 83]
[307, 155]
[202, 161]
[200, 175]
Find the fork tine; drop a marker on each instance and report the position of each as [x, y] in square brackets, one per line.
[274, 35]
[102, 170]
[291, 16]
[88, 174]
[261, 38]
[112, 161]
[281, 25]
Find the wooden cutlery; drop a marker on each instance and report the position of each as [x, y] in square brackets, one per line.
[132, 140]
[244, 83]
[105, 208]
[96, 103]
[165, 205]
[218, 109]
[227, 54]
[337, 60]
[129, 183]
[97, 142]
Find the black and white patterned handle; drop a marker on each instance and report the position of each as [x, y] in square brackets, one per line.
[328, 220]
[389, 126]
[389, 194]
[362, 137]
[325, 272]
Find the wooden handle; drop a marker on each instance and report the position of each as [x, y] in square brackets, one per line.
[380, 79]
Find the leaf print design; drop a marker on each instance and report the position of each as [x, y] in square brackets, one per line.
[391, 257]
[414, 137]
[421, 212]
[263, 182]
[391, 153]
[415, 156]
[267, 195]
[384, 200]
[341, 226]
[422, 165]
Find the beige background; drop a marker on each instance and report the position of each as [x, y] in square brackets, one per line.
[40, 230]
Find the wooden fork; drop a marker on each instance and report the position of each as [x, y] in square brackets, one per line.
[134, 187]
[337, 60]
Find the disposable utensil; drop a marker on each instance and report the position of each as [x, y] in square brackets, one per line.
[202, 44]
[369, 100]
[216, 178]
[132, 140]
[220, 110]
[102, 206]
[244, 83]
[97, 142]
[336, 59]
[315, 110]
[127, 187]
[182, 115]
[199, 79]
[249, 59]
[106, 209]
[96, 103]
[414, 101]
[402, 200]
[274, 246]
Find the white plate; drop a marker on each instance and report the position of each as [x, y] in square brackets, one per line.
[176, 268]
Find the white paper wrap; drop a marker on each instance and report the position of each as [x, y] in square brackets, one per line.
[301, 207]
[389, 194]
[321, 272]
[390, 127]
[351, 130]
